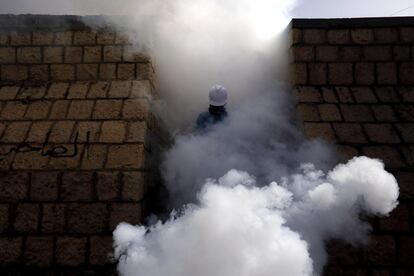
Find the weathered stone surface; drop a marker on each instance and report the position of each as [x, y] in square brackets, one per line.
[27, 218]
[319, 130]
[125, 157]
[101, 251]
[350, 133]
[39, 251]
[11, 250]
[107, 109]
[70, 251]
[87, 218]
[108, 186]
[125, 212]
[44, 186]
[77, 186]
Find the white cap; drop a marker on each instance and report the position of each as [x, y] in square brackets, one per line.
[218, 95]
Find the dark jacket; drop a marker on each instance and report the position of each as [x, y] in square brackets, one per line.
[214, 115]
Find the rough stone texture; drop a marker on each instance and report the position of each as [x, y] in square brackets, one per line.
[74, 117]
[366, 108]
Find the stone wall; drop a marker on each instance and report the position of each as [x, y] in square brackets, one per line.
[77, 140]
[354, 85]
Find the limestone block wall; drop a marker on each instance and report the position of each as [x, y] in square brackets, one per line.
[77, 141]
[354, 86]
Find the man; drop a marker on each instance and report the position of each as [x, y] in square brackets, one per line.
[217, 110]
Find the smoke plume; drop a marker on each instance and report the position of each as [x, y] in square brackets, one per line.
[229, 220]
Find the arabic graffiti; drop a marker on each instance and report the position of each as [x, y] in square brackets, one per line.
[47, 149]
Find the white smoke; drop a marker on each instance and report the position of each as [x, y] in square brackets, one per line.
[240, 229]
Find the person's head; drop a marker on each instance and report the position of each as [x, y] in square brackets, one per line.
[218, 95]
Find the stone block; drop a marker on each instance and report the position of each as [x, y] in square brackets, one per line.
[126, 71]
[7, 55]
[317, 73]
[4, 38]
[134, 186]
[38, 132]
[340, 73]
[120, 89]
[108, 186]
[391, 157]
[39, 251]
[406, 131]
[61, 132]
[107, 109]
[13, 111]
[11, 250]
[401, 53]
[124, 38]
[8, 157]
[87, 72]
[405, 112]
[42, 38]
[62, 72]
[4, 217]
[133, 54]
[349, 53]
[386, 35]
[87, 218]
[398, 220]
[303, 53]
[387, 94]
[381, 250]
[342, 253]
[344, 94]
[319, 131]
[363, 94]
[82, 129]
[70, 161]
[407, 93]
[338, 36]
[329, 112]
[377, 53]
[112, 53]
[406, 72]
[314, 36]
[92, 54]
[59, 109]
[387, 73]
[8, 92]
[326, 53]
[16, 132]
[70, 251]
[63, 38]
[362, 36]
[80, 109]
[94, 157]
[32, 92]
[73, 54]
[57, 90]
[78, 90]
[350, 133]
[98, 89]
[347, 152]
[356, 113]
[53, 54]
[107, 71]
[20, 38]
[125, 212]
[144, 71]
[38, 110]
[135, 109]
[14, 186]
[407, 34]
[29, 55]
[27, 218]
[295, 36]
[384, 113]
[32, 160]
[381, 133]
[105, 38]
[308, 112]
[126, 157]
[77, 186]
[44, 186]
[329, 95]
[141, 89]
[298, 73]
[137, 132]
[14, 72]
[84, 38]
[53, 219]
[113, 132]
[39, 73]
[101, 251]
